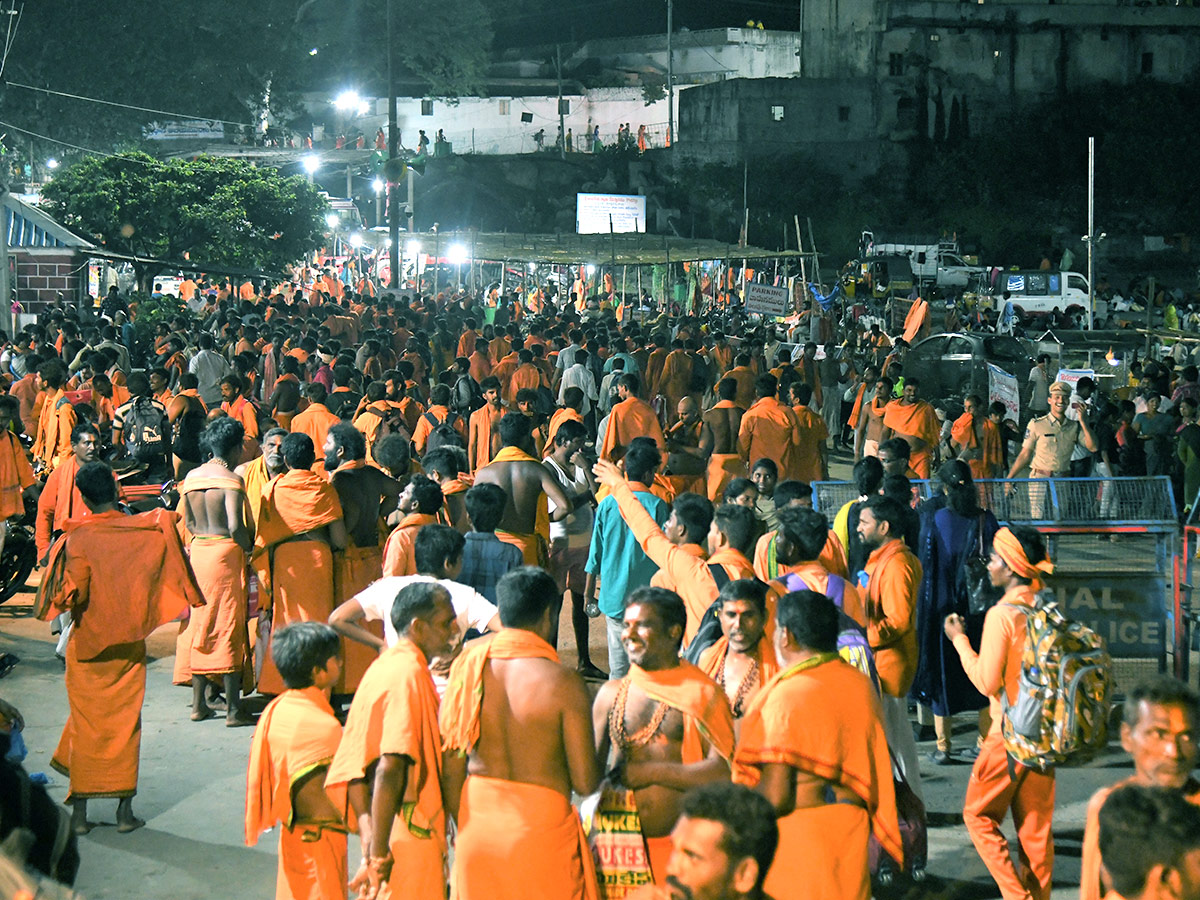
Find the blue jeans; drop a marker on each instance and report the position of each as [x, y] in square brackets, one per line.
[618, 662]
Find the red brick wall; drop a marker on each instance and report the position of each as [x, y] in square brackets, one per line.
[41, 276]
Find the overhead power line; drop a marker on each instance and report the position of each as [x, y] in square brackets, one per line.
[160, 112]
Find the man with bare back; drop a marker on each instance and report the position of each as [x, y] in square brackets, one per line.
[527, 483]
[517, 742]
[719, 438]
[665, 727]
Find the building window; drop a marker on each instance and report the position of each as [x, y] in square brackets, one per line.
[1147, 63]
[564, 107]
[505, 107]
[895, 63]
[843, 114]
[427, 107]
[776, 113]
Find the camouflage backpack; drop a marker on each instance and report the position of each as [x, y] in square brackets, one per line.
[1064, 697]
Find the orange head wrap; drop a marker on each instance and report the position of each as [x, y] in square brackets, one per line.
[1009, 549]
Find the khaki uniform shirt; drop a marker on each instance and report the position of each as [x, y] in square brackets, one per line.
[1052, 441]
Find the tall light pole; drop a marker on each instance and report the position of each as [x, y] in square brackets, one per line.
[670, 77]
[1091, 235]
[393, 199]
[562, 131]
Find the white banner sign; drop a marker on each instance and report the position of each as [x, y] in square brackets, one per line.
[1003, 387]
[593, 211]
[766, 300]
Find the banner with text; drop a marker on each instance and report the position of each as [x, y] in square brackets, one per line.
[1003, 387]
[766, 300]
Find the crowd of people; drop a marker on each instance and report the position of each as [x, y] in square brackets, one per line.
[387, 502]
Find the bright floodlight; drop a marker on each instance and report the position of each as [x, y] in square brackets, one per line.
[331, 219]
[356, 240]
[533, 267]
[347, 101]
[310, 163]
[591, 270]
[378, 185]
[52, 164]
[457, 254]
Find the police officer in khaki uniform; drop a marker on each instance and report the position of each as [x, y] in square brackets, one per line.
[1050, 439]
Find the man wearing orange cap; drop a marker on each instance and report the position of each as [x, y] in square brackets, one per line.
[998, 783]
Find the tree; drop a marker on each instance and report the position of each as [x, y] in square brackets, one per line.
[220, 212]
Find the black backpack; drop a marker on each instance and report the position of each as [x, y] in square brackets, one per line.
[467, 396]
[709, 631]
[146, 431]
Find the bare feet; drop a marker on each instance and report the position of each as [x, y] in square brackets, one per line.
[133, 824]
[126, 820]
[238, 718]
[79, 823]
[199, 715]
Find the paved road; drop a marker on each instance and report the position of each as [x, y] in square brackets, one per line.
[193, 780]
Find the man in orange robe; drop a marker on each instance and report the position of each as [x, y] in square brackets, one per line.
[420, 502]
[743, 659]
[1159, 727]
[53, 441]
[526, 376]
[257, 473]
[60, 499]
[812, 743]
[315, 421]
[894, 575]
[662, 696]
[519, 836]
[770, 429]
[294, 743]
[743, 376]
[299, 527]
[630, 417]
[676, 378]
[915, 421]
[388, 768]
[976, 439]
[120, 577]
[563, 414]
[238, 406]
[998, 783]
[16, 475]
[812, 455]
[482, 439]
[439, 413]
[466, 340]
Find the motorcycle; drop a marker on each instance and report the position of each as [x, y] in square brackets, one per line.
[20, 552]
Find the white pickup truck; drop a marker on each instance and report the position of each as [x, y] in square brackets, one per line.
[940, 262]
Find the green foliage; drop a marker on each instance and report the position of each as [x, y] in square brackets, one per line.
[654, 88]
[221, 212]
[152, 310]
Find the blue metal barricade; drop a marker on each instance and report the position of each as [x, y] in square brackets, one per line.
[1114, 542]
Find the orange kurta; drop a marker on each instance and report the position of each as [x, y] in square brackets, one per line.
[895, 578]
[15, 475]
[316, 422]
[296, 738]
[516, 840]
[822, 718]
[395, 711]
[398, 552]
[917, 420]
[629, 419]
[143, 581]
[813, 435]
[770, 429]
[53, 442]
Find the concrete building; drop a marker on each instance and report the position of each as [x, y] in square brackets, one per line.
[45, 259]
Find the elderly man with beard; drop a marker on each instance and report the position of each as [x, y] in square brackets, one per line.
[259, 471]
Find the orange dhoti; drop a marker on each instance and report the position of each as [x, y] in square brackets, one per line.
[101, 741]
[532, 546]
[921, 462]
[312, 864]
[822, 855]
[722, 469]
[991, 793]
[658, 852]
[214, 640]
[519, 840]
[356, 567]
[302, 588]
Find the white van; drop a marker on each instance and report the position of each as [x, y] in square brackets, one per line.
[1039, 292]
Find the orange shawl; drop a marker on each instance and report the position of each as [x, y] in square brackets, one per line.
[821, 717]
[560, 415]
[962, 432]
[629, 419]
[297, 501]
[146, 583]
[857, 408]
[915, 420]
[296, 734]
[705, 710]
[464, 690]
[712, 660]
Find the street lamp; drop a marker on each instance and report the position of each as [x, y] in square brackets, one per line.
[311, 163]
[52, 164]
[457, 254]
[350, 102]
[378, 185]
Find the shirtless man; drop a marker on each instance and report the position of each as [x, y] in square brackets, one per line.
[687, 457]
[719, 439]
[214, 641]
[365, 492]
[524, 479]
[869, 433]
[741, 661]
[518, 742]
[665, 727]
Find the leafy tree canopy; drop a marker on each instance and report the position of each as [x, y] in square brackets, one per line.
[221, 212]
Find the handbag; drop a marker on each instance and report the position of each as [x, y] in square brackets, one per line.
[614, 835]
[981, 594]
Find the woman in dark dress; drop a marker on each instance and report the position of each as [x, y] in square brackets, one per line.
[952, 532]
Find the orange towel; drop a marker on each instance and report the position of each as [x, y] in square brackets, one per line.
[629, 419]
[706, 715]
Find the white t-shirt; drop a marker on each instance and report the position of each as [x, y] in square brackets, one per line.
[577, 527]
[471, 609]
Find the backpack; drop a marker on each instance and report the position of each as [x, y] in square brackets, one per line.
[146, 431]
[1064, 695]
[709, 631]
[467, 395]
[852, 643]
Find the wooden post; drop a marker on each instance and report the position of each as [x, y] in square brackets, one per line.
[803, 273]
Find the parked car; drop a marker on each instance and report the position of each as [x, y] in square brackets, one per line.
[951, 365]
